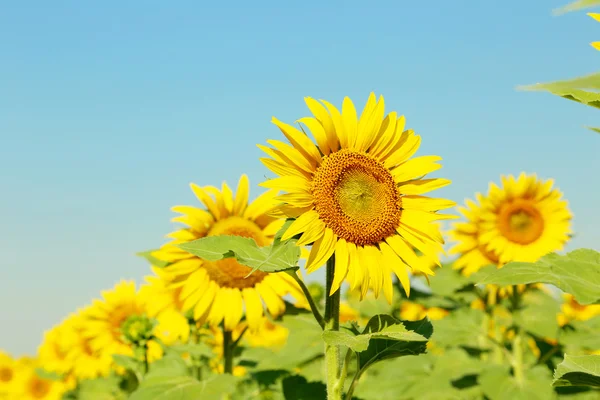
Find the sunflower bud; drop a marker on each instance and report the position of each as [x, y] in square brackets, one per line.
[137, 329]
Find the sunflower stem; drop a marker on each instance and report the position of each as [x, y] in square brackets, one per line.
[332, 323]
[518, 357]
[311, 301]
[228, 347]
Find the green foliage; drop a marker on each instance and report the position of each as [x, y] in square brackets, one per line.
[498, 384]
[537, 316]
[100, 389]
[280, 256]
[185, 388]
[577, 273]
[578, 371]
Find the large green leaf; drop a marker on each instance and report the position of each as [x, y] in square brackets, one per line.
[129, 363]
[185, 388]
[383, 348]
[296, 387]
[100, 389]
[170, 366]
[582, 89]
[582, 334]
[577, 273]
[577, 5]
[280, 256]
[461, 327]
[578, 371]
[379, 327]
[498, 384]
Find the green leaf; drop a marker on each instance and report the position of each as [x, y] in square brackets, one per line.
[153, 260]
[129, 363]
[383, 348]
[498, 384]
[597, 130]
[170, 366]
[298, 388]
[573, 89]
[281, 256]
[193, 349]
[582, 334]
[100, 389]
[185, 388]
[578, 371]
[577, 273]
[49, 375]
[538, 317]
[379, 327]
[576, 5]
[461, 327]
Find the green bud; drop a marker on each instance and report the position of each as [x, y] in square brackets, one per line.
[137, 329]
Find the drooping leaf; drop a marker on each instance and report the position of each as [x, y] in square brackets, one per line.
[463, 327]
[597, 130]
[582, 334]
[170, 366]
[296, 387]
[578, 371]
[383, 348]
[129, 363]
[498, 384]
[576, 5]
[278, 257]
[152, 260]
[577, 273]
[379, 327]
[185, 388]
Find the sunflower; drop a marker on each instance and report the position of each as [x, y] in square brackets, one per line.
[571, 310]
[414, 312]
[30, 386]
[269, 334]
[112, 325]
[524, 219]
[357, 193]
[8, 374]
[222, 290]
[54, 351]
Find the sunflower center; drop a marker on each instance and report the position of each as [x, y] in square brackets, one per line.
[520, 222]
[228, 272]
[356, 197]
[39, 388]
[6, 374]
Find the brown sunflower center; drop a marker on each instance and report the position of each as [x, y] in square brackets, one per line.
[228, 272]
[39, 388]
[520, 222]
[6, 374]
[357, 197]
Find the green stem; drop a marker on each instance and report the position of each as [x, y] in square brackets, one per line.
[352, 386]
[146, 367]
[342, 380]
[227, 351]
[332, 323]
[311, 301]
[518, 357]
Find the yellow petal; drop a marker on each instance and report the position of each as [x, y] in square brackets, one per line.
[287, 184]
[300, 141]
[234, 310]
[274, 303]
[313, 232]
[416, 167]
[254, 307]
[293, 157]
[321, 251]
[391, 259]
[318, 132]
[203, 306]
[403, 148]
[218, 308]
[339, 134]
[207, 200]
[420, 186]
[301, 224]
[341, 265]
[325, 119]
[227, 197]
[241, 196]
[350, 122]
[299, 199]
[263, 203]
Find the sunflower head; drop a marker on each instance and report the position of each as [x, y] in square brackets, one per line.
[7, 373]
[356, 192]
[571, 310]
[221, 291]
[137, 329]
[54, 351]
[524, 219]
[30, 386]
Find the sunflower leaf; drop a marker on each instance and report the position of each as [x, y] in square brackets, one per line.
[577, 273]
[151, 259]
[280, 256]
[185, 388]
[497, 383]
[379, 327]
[578, 371]
[129, 363]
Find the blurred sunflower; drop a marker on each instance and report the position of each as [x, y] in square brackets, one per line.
[54, 351]
[219, 291]
[118, 320]
[411, 311]
[269, 334]
[30, 386]
[467, 234]
[571, 310]
[357, 194]
[524, 219]
[8, 374]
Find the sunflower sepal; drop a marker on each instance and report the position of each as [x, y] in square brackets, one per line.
[155, 262]
[49, 375]
[278, 257]
[576, 273]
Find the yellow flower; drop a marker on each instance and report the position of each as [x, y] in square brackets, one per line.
[524, 219]
[54, 351]
[157, 294]
[172, 327]
[219, 291]
[348, 313]
[268, 334]
[414, 312]
[8, 374]
[357, 194]
[571, 310]
[467, 234]
[30, 386]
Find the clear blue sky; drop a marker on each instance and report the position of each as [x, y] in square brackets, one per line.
[109, 109]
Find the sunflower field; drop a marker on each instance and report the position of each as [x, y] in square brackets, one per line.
[227, 312]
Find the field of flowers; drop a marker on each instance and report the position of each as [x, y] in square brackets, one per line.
[225, 311]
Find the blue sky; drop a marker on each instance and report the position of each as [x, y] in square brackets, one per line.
[109, 109]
